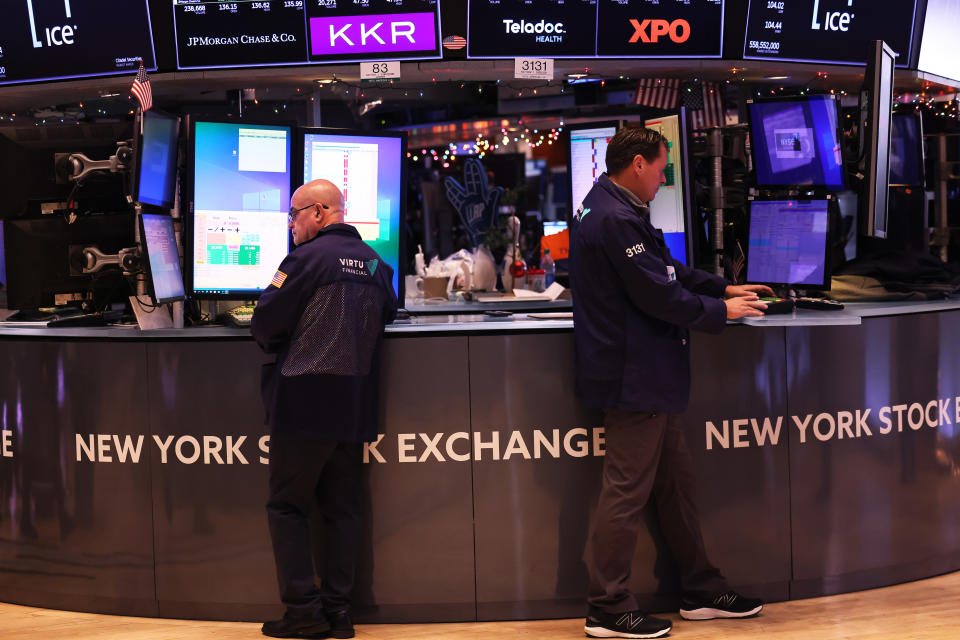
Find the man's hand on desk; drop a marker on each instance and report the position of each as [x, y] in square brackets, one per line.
[747, 291]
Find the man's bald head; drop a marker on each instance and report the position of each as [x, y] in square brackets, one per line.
[320, 203]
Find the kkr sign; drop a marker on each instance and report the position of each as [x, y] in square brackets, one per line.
[373, 34]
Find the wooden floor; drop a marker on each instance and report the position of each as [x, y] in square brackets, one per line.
[924, 610]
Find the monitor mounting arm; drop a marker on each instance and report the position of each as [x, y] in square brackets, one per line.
[128, 260]
[76, 166]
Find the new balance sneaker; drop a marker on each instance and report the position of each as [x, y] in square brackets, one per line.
[726, 605]
[632, 624]
[296, 627]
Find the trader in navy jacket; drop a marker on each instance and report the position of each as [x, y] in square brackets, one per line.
[633, 311]
[323, 316]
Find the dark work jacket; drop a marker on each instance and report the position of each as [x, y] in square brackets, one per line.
[325, 323]
[631, 321]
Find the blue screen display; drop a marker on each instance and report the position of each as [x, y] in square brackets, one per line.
[795, 142]
[161, 243]
[158, 160]
[241, 193]
[368, 171]
[788, 242]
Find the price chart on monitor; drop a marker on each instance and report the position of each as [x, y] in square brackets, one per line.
[353, 168]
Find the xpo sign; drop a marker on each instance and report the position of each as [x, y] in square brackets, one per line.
[692, 29]
[346, 36]
[651, 30]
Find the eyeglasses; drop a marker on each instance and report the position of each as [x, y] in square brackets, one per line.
[292, 216]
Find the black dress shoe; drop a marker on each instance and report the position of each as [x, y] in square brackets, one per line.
[296, 627]
[341, 625]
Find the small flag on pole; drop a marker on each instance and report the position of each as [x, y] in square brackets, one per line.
[141, 89]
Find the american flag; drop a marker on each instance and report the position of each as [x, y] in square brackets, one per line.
[141, 89]
[454, 42]
[666, 93]
[278, 279]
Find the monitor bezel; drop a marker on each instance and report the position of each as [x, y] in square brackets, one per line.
[298, 151]
[145, 259]
[188, 212]
[827, 261]
[580, 126]
[838, 133]
[138, 160]
[921, 154]
[870, 114]
[686, 193]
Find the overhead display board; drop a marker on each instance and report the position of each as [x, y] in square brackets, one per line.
[43, 40]
[938, 45]
[827, 31]
[251, 33]
[595, 28]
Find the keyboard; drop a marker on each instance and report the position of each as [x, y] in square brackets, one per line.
[240, 316]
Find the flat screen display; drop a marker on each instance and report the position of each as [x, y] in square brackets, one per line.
[906, 150]
[295, 32]
[368, 170]
[553, 227]
[796, 142]
[53, 40]
[241, 199]
[655, 29]
[827, 31]
[788, 242]
[588, 158]
[667, 211]
[938, 46]
[595, 28]
[157, 160]
[548, 28]
[163, 257]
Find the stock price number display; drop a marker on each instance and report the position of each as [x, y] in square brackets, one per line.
[42, 40]
[830, 31]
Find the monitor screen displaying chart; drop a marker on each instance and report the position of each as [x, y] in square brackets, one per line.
[241, 198]
[368, 171]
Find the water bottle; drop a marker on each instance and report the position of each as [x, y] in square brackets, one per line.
[549, 270]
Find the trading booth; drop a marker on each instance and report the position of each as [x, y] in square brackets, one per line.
[137, 239]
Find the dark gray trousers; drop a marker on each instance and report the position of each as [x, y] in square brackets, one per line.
[308, 475]
[645, 454]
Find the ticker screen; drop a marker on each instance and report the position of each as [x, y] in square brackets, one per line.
[830, 31]
[595, 28]
[45, 40]
[245, 33]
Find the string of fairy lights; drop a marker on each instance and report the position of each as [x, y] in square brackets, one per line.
[482, 145]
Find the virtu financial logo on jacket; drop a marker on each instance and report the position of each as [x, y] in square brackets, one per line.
[359, 267]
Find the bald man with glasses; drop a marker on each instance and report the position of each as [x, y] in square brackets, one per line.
[323, 315]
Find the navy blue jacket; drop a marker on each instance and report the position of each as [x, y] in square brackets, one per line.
[631, 320]
[323, 316]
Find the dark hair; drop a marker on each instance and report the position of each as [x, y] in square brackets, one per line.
[630, 142]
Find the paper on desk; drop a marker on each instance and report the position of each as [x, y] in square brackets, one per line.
[552, 293]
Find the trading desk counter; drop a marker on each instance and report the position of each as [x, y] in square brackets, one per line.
[133, 468]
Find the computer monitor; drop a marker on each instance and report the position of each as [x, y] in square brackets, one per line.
[368, 168]
[788, 243]
[588, 157]
[44, 259]
[162, 259]
[240, 186]
[796, 142]
[155, 176]
[553, 227]
[876, 112]
[906, 151]
[669, 210]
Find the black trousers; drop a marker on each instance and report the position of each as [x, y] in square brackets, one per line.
[645, 454]
[305, 475]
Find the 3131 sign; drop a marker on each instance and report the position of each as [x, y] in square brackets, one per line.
[533, 68]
